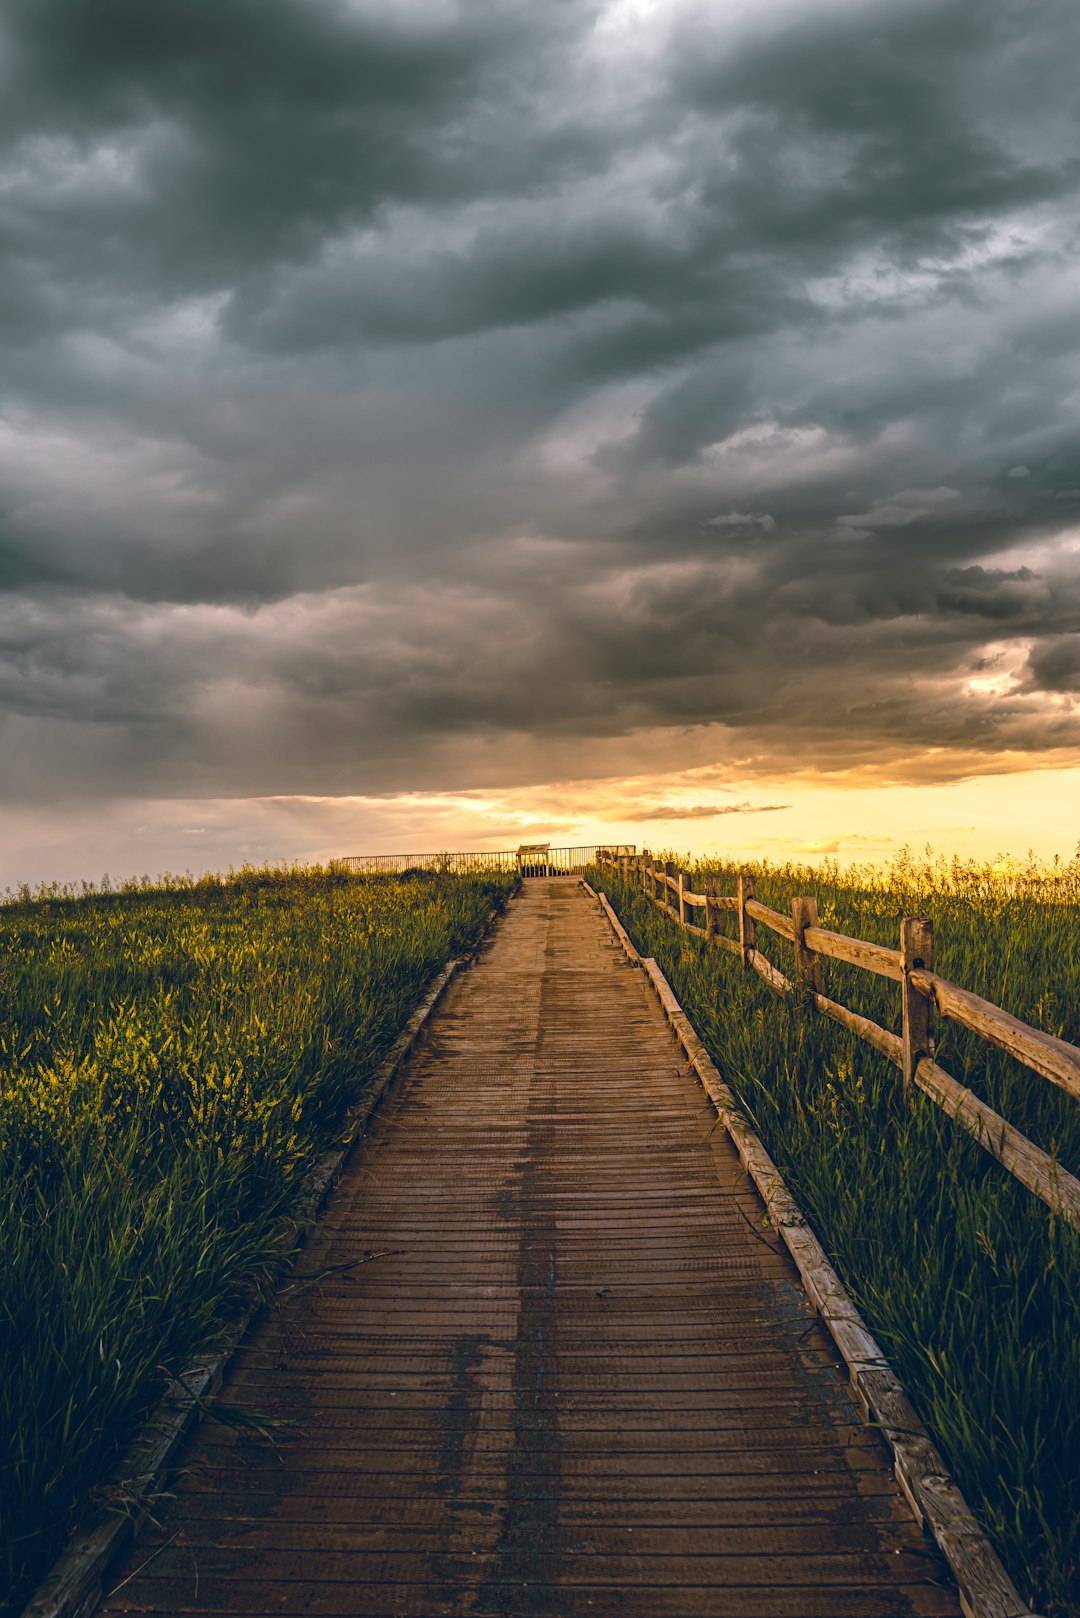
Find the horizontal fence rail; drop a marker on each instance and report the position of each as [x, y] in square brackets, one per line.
[537, 861]
[922, 994]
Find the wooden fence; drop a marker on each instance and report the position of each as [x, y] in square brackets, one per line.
[922, 994]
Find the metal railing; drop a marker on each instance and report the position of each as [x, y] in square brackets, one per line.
[534, 861]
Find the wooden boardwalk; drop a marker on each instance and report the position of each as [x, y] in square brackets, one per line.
[574, 1377]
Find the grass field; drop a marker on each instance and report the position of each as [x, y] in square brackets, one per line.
[171, 1062]
[968, 1281]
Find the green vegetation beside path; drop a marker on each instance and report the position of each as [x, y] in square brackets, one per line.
[172, 1063]
[968, 1281]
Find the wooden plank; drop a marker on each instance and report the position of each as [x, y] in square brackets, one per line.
[856, 952]
[771, 919]
[617, 927]
[889, 1045]
[1027, 1162]
[397, 1598]
[772, 975]
[1054, 1059]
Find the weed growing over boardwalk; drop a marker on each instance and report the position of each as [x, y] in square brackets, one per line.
[970, 1284]
[171, 1063]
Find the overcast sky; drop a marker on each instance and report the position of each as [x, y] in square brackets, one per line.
[551, 413]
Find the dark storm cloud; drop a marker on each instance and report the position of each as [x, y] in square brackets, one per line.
[385, 391]
[214, 141]
[1054, 664]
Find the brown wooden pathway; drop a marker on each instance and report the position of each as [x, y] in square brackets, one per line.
[576, 1379]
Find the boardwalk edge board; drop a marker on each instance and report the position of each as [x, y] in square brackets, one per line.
[620, 931]
[985, 1588]
[73, 1586]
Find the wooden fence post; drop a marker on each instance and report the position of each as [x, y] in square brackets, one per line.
[747, 926]
[916, 951]
[669, 871]
[712, 914]
[808, 967]
[682, 902]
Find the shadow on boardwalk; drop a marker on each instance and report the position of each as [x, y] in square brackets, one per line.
[577, 1378]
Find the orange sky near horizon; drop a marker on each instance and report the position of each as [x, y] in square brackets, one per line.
[985, 819]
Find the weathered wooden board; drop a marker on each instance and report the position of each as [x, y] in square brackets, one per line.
[1054, 1059]
[771, 918]
[856, 951]
[1029, 1164]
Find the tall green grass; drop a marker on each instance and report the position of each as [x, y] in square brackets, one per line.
[172, 1061]
[969, 1282]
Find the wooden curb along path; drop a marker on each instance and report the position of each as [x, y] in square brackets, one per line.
[542, 1353]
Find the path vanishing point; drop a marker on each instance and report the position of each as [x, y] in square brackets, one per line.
[541, 1356]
